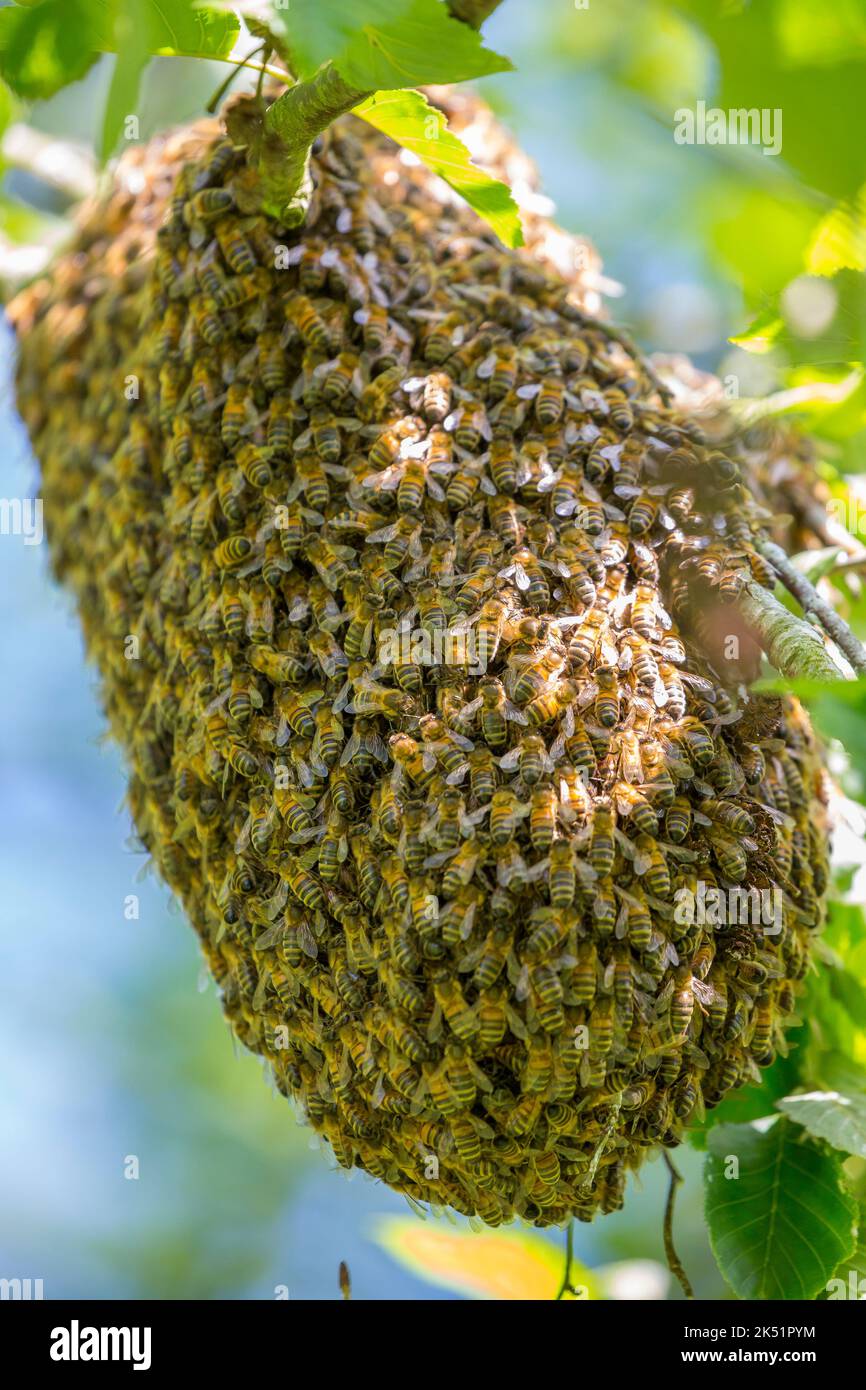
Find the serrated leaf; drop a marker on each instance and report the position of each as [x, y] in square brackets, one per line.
[422, 129]
[830, 1115]
[379, 44]
[502, 1265]
[783, 1226]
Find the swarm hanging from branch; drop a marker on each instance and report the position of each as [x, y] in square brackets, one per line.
[441, 894]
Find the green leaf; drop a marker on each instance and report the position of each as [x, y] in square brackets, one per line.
[132, 58]
[849, 1280]
[44, 48]
[839, 240]
[783, 1225]
[181, 28]
[379, 44]
[419, 127]
[830, 1115]
[847, 990]
[761, 333]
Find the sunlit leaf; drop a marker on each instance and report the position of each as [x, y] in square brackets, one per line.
[489, 1265]
[761, 333]
[187, 29]
[830, 1115]
[419, 127]
[839, 241]
[380, 44]
[780, 1218]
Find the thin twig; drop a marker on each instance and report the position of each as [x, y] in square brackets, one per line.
[673, 1259]
[811, 602]
[224, 86]
[279, 73]
[566, 1286]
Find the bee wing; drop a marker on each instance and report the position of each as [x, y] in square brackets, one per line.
[705, 994]
[217, 702]
[376, 746]
[537, 870]
[514, 714]
[510, 760]
[341, 700]
[386, 533]
[351, 748]
[243, 838]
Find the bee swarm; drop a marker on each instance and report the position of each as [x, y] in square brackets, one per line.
[441, 899]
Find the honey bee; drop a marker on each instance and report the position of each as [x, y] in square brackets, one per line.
[499, 370]
[550, 401]
[645, 612]
[233, 552]
[653, 865]
[678, 819]
[608, 697]
[444, 335]
[550, 705]
[632, 803]
[496, 711]
[505, 811]
[602, 844]
[542, 817]
[309, 324]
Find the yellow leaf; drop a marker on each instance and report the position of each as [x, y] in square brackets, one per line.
[491, 1264]
[839, 241]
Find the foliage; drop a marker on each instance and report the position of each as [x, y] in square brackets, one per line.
[780, 1218]
[375, 46]
[790, 236]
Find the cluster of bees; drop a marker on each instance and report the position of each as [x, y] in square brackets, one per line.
[441, 896]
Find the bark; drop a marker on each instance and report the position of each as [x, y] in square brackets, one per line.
[291, 125]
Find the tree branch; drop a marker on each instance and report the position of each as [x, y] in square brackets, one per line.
[811, 602]
[291, 125]
[473, 12]
[792, 645]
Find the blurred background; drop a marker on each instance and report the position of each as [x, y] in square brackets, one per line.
[114, 1055]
